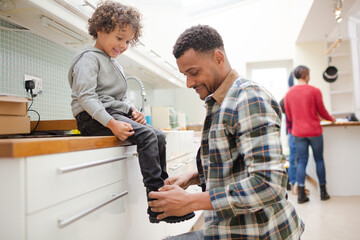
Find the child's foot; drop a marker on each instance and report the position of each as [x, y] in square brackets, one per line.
[172, 219]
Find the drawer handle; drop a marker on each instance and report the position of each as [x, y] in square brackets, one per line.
[189, 160]
[90, 164]
[178, 156]
[175, 166]
[64, 222]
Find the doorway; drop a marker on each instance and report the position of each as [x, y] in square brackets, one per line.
[274, 76]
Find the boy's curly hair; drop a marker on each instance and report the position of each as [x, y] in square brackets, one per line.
[110, 14]
[202, 38]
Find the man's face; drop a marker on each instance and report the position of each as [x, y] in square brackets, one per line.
[201, 71]
[115, 42]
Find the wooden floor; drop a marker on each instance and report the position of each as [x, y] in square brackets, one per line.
[335, 219]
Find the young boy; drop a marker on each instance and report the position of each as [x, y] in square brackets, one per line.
[99, 101]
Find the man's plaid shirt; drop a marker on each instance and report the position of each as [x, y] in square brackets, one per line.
[243, 165]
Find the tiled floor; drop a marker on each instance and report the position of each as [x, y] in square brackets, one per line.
[335, 219]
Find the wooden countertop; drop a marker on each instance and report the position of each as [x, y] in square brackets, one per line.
[33, 146]
[339, 124]
[25, 147]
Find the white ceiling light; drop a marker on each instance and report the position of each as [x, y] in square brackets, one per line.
[337, 10]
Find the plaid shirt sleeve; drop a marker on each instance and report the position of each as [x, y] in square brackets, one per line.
[251, 117]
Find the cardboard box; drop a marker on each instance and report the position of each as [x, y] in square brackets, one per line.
[14, 124]
[161, 117]
[13, 106]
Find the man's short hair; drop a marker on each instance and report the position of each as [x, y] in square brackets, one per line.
[202, 38]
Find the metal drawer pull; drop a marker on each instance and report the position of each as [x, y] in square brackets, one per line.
[175, 166]
[178, 156]
[90, 164]
[189, 160]
[64, 222]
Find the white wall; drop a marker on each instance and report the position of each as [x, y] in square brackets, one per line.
[257, 30]
[188, 101]
[253, 31]
[354, 26]
[312, 55]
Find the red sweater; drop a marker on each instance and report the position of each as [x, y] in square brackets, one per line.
[303, 106]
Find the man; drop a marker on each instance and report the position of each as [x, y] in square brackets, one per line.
[242, 164]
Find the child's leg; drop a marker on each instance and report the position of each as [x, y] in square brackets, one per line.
[146, 139]
[147, 144]
[90, 127]
[162, 151]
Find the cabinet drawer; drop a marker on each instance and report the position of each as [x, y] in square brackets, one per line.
[100, 214]
[51, 179]
[186, 163]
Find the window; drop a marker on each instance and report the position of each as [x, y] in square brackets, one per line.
[274, 76]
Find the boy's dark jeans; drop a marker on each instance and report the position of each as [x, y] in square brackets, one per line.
[151, 145]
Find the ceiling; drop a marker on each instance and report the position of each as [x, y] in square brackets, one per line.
[320, 23]
[195, 8]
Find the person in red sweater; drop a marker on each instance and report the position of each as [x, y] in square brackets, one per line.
[304, 107]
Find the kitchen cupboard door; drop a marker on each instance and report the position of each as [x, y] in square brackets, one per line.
[99, 214]
[12, 207]
[54, 178]
[139, 226]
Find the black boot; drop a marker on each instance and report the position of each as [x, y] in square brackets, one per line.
[302, 198]
[171, 219]
[323, 193]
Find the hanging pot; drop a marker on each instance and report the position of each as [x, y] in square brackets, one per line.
[330, 75]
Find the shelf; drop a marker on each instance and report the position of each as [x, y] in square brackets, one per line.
[344, 73]
[342, 92]
[341, 112]
[340, 55]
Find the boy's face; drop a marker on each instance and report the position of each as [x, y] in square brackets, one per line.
[115, 42]
[201, 71]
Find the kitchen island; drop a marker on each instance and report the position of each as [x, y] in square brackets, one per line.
[342, 158]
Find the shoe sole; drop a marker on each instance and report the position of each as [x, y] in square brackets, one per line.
[172, 219]
[304, 201]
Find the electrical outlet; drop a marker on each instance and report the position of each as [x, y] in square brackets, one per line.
[38, 84]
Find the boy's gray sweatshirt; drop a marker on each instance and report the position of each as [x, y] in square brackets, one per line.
[97, 82]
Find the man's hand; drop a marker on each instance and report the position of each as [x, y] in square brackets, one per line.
[121, 130]
[138, 116]
[184, 180]
[171, 200]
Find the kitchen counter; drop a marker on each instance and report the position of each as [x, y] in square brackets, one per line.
[25, 147]
[341, 156]
[339, 124]
[38, 144]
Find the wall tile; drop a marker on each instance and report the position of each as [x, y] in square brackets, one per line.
[22, 52]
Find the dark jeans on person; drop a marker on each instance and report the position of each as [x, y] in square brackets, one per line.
[151, 145]
[292, 160]
[302, 150]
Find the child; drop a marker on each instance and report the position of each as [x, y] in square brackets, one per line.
[99, 87]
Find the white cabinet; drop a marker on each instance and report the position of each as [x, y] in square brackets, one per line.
[65, 23]
[342, 90]
[100, 214]
[92, 194]
[51, 179]
[77, 195]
